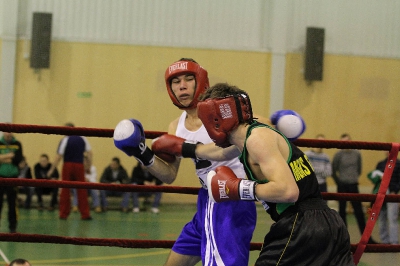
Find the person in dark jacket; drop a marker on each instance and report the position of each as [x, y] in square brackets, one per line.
[10, 157]
[141, 176]
[41, 168]
[25, 171]
[115, 173]
[346, 170]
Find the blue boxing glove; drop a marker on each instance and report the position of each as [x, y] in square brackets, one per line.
[129, 137]
[290, 123]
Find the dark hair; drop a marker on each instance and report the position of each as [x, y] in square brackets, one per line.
[116, 159]
[18, 261]
[45, 156]
[239, 97]
[69, 124]
[221, 90]
[187, 59]
[344, 135]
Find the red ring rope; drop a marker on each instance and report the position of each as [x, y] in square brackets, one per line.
[100, 186]
[170, 189]
[129, 243]
[108, 133]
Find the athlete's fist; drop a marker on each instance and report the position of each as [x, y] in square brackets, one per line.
[290, 123]
[169, 158]
[223, 185]
[129, 137]
[168, 147]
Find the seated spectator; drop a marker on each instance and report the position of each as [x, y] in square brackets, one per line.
[26, 172]
[90, 176]
[115, 173]
[141, 176]
[41, 169]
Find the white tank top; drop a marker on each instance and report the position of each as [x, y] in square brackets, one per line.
[205, 166]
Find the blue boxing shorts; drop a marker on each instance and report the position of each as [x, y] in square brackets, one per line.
[219, 233]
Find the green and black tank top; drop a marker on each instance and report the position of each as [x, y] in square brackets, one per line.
[299, 165]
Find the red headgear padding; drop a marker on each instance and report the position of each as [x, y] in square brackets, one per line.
[222, 115]
[187, 67]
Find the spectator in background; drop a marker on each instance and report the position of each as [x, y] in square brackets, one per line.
[71, 149]
[20, 262]
[389, 214]
[26, 172]
[141, 176]
[10, 157]
[346, 170]
[321, 163]
[90, 176]
[115, 173]
[41, 168]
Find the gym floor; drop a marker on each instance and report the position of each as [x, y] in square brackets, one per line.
[115, 224]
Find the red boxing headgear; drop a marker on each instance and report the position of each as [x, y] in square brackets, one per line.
[187, 67]
[222, 115]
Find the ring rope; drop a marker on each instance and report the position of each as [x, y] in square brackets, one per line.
[137, 243]
[5, 181]
[94, 132]
[23, 182]
[108, 133]
[62, 130]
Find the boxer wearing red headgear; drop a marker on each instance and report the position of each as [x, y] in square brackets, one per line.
[222, 115]
[205, 237]
[280, 176]
[187, 67]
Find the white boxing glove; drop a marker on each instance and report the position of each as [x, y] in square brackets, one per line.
[290, 123]
[129, 137]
